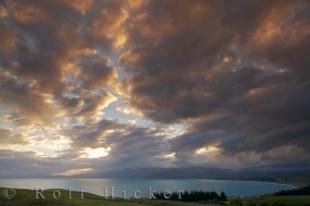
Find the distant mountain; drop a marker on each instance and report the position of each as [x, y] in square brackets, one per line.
[167, 173]
[257, 173]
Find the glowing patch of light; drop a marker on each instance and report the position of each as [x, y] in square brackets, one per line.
[207, 150]
[169, 156]
[172, 131]
[226, 59]
[95, 153]
[73, 172]
[109, 131]
[129, 110]
[120, 40]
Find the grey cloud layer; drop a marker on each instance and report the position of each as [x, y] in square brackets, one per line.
[131, 146]
[236, 73]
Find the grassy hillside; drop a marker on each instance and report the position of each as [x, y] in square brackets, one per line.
[27, 198]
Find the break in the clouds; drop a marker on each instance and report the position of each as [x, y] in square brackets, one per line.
[88, 86]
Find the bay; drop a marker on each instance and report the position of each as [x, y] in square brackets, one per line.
[144, 187]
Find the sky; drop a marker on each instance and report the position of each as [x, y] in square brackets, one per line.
[89, 86]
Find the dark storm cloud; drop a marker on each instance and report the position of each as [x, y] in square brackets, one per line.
[95, 71]
[88, 134]
[47, 44]
[188, 41]
[137, 147]
[239, 69]
[22, 97]
[46, 37]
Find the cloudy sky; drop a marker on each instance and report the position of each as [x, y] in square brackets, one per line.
[89, 86]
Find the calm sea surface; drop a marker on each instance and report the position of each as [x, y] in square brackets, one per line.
[144, 186]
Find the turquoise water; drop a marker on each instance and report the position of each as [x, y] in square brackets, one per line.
[144, 187]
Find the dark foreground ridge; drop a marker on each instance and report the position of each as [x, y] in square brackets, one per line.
[299, 191]
[192, 196]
